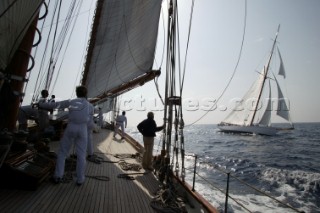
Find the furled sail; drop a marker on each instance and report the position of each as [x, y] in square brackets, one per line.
[15, 18]
[122, 45]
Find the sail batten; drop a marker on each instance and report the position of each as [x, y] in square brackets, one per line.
[122, 46]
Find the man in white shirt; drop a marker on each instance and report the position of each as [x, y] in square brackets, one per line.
[76, 133]
[121, 121]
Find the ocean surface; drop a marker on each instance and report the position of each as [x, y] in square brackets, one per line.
[285, 166]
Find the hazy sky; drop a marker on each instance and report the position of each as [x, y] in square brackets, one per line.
[215, 42]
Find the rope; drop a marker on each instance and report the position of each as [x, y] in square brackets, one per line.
[136, 156]
[128, 175]
[234, 71]
[98, 177]
[185, 60]
[168, 201]
[129, 166]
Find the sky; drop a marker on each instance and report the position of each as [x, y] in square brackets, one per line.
[216, 36]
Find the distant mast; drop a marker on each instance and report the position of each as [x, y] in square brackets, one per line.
[265, 73]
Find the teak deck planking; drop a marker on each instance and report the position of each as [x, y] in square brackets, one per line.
[118, 195]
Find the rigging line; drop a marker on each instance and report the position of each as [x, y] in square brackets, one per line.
[62, 37]
[68, 42]
[42, 74]
[35, 53]
[157, 88]
[55, 48]
[164, 41]
[178, 43]
[39, 77]
[53, 41]
[54, 55]
[235, 68]
[61, 20]
[83, 55]
[189, 33]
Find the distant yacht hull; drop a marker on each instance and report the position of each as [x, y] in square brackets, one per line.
[258, 130]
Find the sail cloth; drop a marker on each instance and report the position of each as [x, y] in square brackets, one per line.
[245, 108]
[281, 69]
[122, 45]
[15, 18]
[283, 109]
[266, 118]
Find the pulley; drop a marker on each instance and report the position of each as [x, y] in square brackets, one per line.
[174, 100]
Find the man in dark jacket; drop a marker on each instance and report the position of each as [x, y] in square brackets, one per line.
[148, 129]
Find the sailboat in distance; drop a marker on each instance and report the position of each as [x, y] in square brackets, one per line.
[251, 115]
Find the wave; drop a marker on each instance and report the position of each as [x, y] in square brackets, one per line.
[300, 188]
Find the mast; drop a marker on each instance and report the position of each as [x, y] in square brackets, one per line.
[265, 73]
[170, 80]
[16, 73]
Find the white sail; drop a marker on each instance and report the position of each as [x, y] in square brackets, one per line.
[245, 118]
[14, 26]
[124, 44]
[281, 69]
[244, 110]
[282, 110]
[266, 118]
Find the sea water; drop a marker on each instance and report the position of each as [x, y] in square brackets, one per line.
[285, 166]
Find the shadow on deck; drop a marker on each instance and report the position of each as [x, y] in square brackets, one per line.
[97, 194]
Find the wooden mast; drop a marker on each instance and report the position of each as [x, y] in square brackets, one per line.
[16, 72]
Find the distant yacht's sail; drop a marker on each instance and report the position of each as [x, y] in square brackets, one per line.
[266, 118]
[282, 110]
[245, 118]
[281, 69]
[13, 27]
[244, 110]
[122, 45]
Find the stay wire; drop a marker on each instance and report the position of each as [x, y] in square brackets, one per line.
[162, 57]
[40, 73]
[53, 41]
[164, 41]
[83, 54]
[62, 37]
[68, 42]
[234, 71]
[187, 48]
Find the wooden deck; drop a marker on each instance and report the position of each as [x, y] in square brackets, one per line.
[115, 195]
